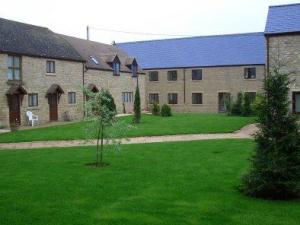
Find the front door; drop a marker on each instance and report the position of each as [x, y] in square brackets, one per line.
[296, 102]
[14, 110]
[223, 99]
[53, 100]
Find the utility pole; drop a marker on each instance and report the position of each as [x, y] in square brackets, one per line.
[88, 33]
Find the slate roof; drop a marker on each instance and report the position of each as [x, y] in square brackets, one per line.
[205, 51]
[283, 19]
[103, 53]
[25, 39]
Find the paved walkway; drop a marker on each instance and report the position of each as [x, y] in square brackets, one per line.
[245, 132]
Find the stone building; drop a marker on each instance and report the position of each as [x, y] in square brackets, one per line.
[282, 34]
[45, 73]
[39, 72]
[111, 68]
[200, 74]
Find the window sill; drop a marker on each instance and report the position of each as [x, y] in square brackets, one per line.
[172, 81]
[33, 108]
[197, 104]
[12, 82]
[153, 81]
[250, 79]
[50, 74]
[196, 80]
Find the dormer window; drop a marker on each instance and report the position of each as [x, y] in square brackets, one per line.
[116, 68]
[134, 70]
[94, 60]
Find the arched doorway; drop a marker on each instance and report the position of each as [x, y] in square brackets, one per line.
[53, 95]
[15, 96]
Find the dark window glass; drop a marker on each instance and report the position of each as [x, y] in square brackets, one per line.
[14, 68]
[250, 73]
[127, 96]
[172, 98]
[134, 69]
[50, 66]
[172, 75]
[153, 98]
[196, 98]
[196, 74]
[153, 76]
[116, 67]
[32, 100]
[71, 97]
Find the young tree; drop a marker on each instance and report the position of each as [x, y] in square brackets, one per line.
[101, 121]
[275, 166]
[237, 108]
[137, 106]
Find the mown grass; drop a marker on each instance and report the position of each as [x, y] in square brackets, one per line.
[150, 125]
[186, 183]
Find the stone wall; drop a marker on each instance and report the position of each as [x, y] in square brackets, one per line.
[116, 85]
[214, 80]
[68, 76]
[286, 50]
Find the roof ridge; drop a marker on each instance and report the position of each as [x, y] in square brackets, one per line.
[83, 39]
[283, 5]
[194, 37]
[27, 24]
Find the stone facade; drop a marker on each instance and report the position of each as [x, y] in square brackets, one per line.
[117, 85]
[285, 48]
[68, 75]
[215, 80]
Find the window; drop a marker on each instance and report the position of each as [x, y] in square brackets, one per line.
[94, 60]
[14, 68]
[250, 73]
[153, 98]
[116, 67]
[196, 74]
[127, 97]
[71, 97]
[153, 76]
[172, 75]
[50, 67]
[252, 96]
[196, 98]
[134, 69]
[172, 98]
[32, 100]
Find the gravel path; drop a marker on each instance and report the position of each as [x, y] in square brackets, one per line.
[245, 132]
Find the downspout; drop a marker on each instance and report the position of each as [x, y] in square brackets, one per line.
[83, 83]
[268, 57]
[184, 85]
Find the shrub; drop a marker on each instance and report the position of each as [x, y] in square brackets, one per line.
[237, 108]
[108, 101]
[166, 111]
[275, 165]
[137, 106]
[228, 105]
[257, 104]
[247, 111]
[155, 109]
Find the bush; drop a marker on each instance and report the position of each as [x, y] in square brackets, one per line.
[155, 109]
[275, 166]
[228, 105]
[247, 111]
[257, 104]
[108, 101]
[137, 106]
[166, 111]
[237, 108]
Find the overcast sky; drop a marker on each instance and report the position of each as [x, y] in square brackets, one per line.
[173, 17]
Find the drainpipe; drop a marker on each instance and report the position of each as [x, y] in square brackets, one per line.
[83, 83]
[184, 85]
[268, 57]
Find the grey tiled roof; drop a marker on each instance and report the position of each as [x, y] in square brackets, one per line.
[25, 39]
[103, 53]
[283, 19]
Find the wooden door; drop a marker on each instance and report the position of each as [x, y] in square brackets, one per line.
[53, 100]
[14, 110]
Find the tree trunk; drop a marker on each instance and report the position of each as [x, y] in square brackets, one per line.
[97, 153]
[102, 136]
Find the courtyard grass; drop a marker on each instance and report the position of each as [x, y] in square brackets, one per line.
[186, 183]
[180, 123]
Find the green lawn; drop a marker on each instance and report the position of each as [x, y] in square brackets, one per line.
[185, 183]
[150, 126]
